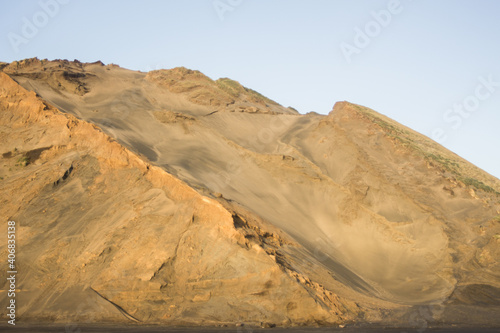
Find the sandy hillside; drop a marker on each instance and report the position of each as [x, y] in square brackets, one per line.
[170, 197]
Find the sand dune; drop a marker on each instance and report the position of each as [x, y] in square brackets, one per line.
[217, 205]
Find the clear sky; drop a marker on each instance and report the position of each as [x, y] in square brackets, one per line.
[432, 65]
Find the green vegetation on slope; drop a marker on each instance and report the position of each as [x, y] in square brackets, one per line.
[203, 90]
[431, 151]
[477, 184]
[23, 161]
[235, 89]
[232, 87]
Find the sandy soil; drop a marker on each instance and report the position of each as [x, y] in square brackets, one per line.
[352, 216]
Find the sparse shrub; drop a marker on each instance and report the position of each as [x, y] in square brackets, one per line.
[259, 97]
[235, 89]
[23, 161]
[447, 163]
[477, 184]
[232, 87]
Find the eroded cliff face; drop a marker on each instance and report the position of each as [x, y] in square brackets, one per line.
[105, 235]
[172, 198]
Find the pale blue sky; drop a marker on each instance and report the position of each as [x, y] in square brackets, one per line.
[424, 58]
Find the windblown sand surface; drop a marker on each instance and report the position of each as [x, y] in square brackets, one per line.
[166, 197]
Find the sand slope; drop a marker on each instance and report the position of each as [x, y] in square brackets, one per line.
[218, 205]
